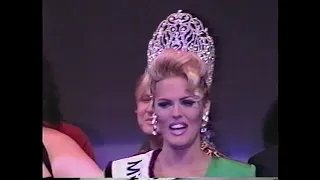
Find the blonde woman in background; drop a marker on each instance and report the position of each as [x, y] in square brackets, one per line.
[144, 113]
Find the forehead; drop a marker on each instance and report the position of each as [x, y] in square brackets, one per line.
[172, 88]
[143, 90]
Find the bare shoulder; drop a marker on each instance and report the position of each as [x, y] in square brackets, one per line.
[52, 134]
[74, 131]
[73, 127]
[67, 158]
[54, 138]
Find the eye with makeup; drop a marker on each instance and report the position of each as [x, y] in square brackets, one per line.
[164, 104]
[188, 102]
[145, 98]
[184, 102]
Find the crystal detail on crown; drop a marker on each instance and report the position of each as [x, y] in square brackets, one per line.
[183, 32]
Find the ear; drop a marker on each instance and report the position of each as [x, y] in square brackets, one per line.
[206, 108]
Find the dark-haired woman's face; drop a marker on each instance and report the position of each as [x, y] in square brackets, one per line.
[178, 112]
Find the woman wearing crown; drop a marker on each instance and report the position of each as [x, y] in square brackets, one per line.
[180, 66]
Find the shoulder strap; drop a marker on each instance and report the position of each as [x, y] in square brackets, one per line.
[45, 159]
[108, 170]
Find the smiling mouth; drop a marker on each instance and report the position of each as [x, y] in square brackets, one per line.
[178, 129]
[149, 120]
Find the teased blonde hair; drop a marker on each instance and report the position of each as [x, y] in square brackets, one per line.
[142, 86]
[180, 63]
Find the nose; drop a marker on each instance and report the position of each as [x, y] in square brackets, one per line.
[149, 108]
[176, 113]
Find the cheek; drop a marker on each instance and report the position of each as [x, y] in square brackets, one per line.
[163, 116]
[194, 116]
[141, 109]
[162, 112]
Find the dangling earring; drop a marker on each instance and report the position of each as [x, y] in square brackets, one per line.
[154, 123]
[205, 119]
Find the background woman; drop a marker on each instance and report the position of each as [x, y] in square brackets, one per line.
[63, 158]
[62, 155]
[52, 116]
[266, 161]
[144, 113]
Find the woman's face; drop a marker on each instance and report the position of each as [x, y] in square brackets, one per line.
[178, 112]
[144, 110]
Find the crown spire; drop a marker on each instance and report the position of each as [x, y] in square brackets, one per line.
[183, 32]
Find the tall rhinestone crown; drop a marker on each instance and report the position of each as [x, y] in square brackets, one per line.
[183, 32]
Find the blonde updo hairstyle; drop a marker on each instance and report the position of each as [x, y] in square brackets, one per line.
[172, 62]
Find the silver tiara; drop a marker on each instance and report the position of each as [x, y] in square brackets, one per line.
[183, 32]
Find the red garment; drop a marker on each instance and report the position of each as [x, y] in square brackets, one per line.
[78, 136]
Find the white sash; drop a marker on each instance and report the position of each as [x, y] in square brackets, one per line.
[132, 167]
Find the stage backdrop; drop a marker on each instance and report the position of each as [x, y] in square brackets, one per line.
[98, 49]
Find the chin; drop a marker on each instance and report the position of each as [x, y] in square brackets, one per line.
[147, 130]
[148, 133]
[179, 142]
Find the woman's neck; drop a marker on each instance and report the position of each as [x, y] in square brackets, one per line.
[192, 159]
[155, 142]
[183, 157]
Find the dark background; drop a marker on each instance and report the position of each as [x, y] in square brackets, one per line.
[98, 49]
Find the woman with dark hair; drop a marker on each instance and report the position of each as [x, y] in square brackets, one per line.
[50, 96]
[62, 155]
[63, 158]
[52, 116]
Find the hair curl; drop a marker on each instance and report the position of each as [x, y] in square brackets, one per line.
[142, 85]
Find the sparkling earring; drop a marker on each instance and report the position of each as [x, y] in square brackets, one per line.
[154, 123]
[205, 119]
